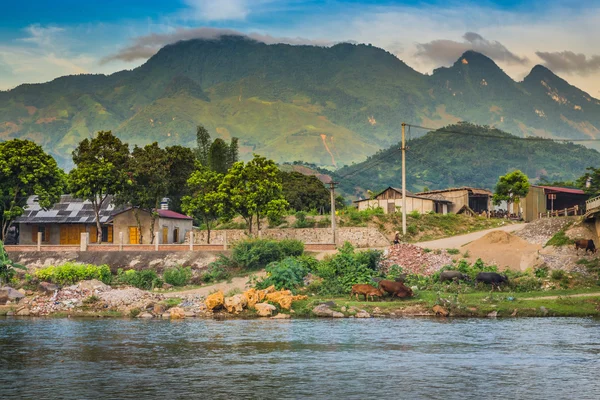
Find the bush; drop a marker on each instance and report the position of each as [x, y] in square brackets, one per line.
[558, 274]
[254, 254]
[288, 273]
[302, 221]
[370, 258]
[178, 276]
[217, 270]
[541, 272]
[146, 279]
[452, 251]
[341, 271]
[70, 273]
[526, 283]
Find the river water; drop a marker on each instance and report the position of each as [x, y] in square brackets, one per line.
[535, 358]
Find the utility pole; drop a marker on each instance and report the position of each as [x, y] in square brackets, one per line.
[332, 191]
[403, 180]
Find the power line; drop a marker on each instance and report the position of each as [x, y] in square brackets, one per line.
[510, 137]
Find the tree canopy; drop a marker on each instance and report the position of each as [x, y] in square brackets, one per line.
[511, 187]
[205, 200]
[25, 170]
[304, 192]
[101, 166]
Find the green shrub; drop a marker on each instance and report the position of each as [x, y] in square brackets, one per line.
[178, 276]
[288, 273]
[558, 274]
[452, 251]
[560, 239]
[217, 270]
[412, 229]
[172, 302]
[370, 258]
[146, 279]
[541, 272]
[394, 272]
[415, 214]
[302, 221]
[291, 247]
[525, 283]
[341, 271]
[70, 273]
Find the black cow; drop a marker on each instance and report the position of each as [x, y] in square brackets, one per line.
[587, 244]
[453, 275]
[492, 278]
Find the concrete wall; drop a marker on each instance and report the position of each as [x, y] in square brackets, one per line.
[412, 204]
[123, 221]
[359, 237]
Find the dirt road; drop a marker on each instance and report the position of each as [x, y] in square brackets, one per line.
[455, 242]
[564, 297]
[236, 283]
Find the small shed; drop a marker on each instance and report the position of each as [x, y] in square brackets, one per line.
[478, 200]
[541, 199]
[171, 226]
[390, 200]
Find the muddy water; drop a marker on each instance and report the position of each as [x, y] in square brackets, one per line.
[403, 358]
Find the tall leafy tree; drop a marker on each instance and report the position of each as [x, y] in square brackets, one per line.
[100, 171]
[148, 184]
[205, 200]
[218, 156]
[511, 188]
[181, 161]
[304, 192]
[233, 155]
[203, 144]
[253, 190]
[25, 170]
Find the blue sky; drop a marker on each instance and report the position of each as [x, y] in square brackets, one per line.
[45, 39]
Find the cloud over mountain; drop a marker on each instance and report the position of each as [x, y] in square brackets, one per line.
[570, 62]
[447, 51]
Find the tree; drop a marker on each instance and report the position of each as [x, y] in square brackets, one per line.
[253, 189]
[7, 266]
[203, 144]
[304, 192]
[100, 170]
[218, 156]
[511, 188]
[590, 181]
[181, 162]
[25, 170]
[233, 155]
[205, 201]
[148, 183]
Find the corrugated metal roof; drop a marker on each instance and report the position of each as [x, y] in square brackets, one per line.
[470, 189]
[553, 189]
[68, 210]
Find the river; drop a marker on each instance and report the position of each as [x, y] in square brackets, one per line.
[522, 358]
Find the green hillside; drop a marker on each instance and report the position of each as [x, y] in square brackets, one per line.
[325, 105]
[440, 160]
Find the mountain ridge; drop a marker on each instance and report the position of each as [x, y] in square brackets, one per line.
[325, 105]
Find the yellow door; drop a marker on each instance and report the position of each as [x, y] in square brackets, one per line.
[134, 235]
[165, 235]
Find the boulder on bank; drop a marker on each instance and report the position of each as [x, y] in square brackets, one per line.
[215, 301]
[323, 310]
[284, 298]
[177, 313]
[264, 309]
[47, 287]
[236, 304]
[10, 294]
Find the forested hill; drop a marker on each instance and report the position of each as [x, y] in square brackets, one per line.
[440, 160]
[325, 105]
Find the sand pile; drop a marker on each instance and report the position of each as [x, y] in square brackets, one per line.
[503, 249]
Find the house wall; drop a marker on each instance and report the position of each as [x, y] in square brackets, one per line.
[459, 198]
[26, 238]
[412, 204]
[533, 204]
[122, 222]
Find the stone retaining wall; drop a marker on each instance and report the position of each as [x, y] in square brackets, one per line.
[359, 237]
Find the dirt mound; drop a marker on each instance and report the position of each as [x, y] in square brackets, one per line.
[415, 260]
[541, 230]
[503, 249]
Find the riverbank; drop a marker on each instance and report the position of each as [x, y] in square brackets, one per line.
[555, 303]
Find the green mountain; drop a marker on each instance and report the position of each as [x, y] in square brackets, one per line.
[325, 105]
[466, 157]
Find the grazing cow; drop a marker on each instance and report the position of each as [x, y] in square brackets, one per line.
[587, 244]
[397, 289]
[367, 290]
[453, 276]
[492, 278]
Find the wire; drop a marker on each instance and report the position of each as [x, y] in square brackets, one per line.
[510, 137]
[369, 166]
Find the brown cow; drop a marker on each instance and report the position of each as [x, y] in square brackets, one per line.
[397, 289]
[367, 290]
[587, 244]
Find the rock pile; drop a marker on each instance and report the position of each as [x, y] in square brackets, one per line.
[253, 299]
[414, 260]
[542, 230]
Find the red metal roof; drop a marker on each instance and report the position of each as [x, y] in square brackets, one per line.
[172, 214]
[553, 189]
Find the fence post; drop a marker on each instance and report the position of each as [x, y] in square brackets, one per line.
[120, 241]
[39, 241]
[548, 213]
[83, 241]
[191, 240]
[156, 241]
[224, 240]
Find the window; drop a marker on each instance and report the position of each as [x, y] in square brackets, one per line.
[176, 235]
